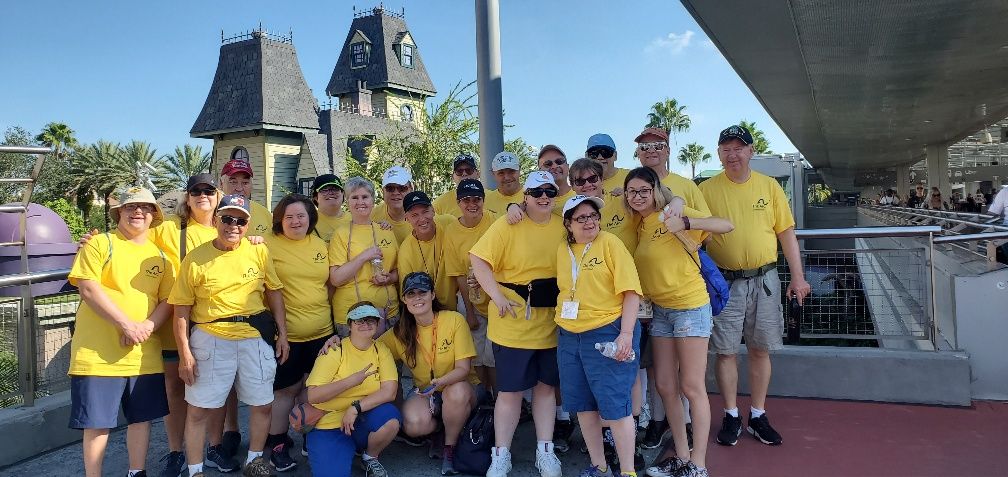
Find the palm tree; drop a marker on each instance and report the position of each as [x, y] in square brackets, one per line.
[186, 161]
[669, 116]
[53, 182]
[691, 155]
[58, 136]
[88, 168]
[760, 145]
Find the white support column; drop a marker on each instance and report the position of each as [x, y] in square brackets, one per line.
[903, 185]
[937, 167]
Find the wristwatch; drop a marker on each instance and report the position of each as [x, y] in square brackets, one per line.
[356, 405]
[685, 221]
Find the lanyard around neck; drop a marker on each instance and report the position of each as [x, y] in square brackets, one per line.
[433, 352]
[576, 266]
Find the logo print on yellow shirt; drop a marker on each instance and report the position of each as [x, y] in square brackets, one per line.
[153, 271]
[261, 228]
[445, 345]
[614, 221]
[760, 204]
[659, 232]
[250, 273]
[320, 257]
[384, 243]
[591, 264]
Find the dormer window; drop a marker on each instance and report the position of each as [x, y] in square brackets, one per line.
[406, 55]
[359, 54]
[240, 153]
[407, 113]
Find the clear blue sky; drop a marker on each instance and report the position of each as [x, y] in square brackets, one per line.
[123, 70]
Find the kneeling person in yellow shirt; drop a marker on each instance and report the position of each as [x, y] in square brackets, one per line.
[223, 289]
[115, 357]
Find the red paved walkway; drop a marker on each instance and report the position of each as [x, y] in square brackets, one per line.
[841, 438]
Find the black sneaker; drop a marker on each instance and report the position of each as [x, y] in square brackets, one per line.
[562, 432]
[175, 464]
[281, 459]
[761, 429]
[230, 443]
[609, 449]
[216, 458]
[657, 432]
[731, 429]
[411, 441]
[639, 464]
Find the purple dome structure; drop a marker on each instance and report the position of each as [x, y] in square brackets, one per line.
[50, 247]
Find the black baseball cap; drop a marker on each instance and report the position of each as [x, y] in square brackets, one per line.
[464, 158]
[735, 132]
[417, 281]
[326, 180]
[201, 178]
[469, 188]
[415, 198]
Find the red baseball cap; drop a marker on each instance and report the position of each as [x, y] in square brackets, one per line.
[661, 133]
[236, 165]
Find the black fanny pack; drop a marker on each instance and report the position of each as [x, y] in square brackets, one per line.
[263, 322]
[539, 293]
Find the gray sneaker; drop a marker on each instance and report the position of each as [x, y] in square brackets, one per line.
[448, 461]
[216, 459]
[175, 465]
[259, 467]
[373, 468]
[666, 468]
[690, 470]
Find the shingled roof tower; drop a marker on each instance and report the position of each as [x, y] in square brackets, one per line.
[260, 109]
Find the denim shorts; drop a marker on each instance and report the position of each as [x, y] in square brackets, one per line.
[672, 323]
[590, 381]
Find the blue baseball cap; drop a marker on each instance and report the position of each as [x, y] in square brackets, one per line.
[234, 202]
[417, 281]
[600, 139]
[363, 311]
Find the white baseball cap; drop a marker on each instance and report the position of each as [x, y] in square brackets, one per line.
[536, 179]
[573, 202]
[396, 175]
[505, 160]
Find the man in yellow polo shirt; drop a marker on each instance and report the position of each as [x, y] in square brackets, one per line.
[653, 152]
[760, 211]
[602, 149]
[463, 167]
[115, 354]
[553, 160]
[236, 178]
[223, 290]
[397, 181]
[424, 249]
[507, 171]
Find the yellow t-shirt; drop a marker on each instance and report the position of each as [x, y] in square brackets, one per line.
[219, 284]
[613, 183]
[496, 203]
[447, 204]
[454, 342]
[429, 256]
[758, 209]
[459, 239]
[669, 276]
[262, 220]
[561, 200]
[688, 190]
[607, 271]
[136, 278]
[339, 364]
[519, 254]
[167, 237]
[617, 221]
[340, 253]
[303, 268]
[401, 228]
[327, 224]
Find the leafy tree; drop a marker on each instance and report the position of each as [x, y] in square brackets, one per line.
[670, 116]
[691, 155]
[54, 181]
[70, 214]
[14, 165]
[760, 145]
[186, 161]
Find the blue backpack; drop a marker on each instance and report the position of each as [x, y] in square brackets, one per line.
[717, 287]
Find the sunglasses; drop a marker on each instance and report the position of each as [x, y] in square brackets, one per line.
[465, 171]
[592, 179]
[393, 188]
[651, 146]
[602, 152]
[594, 217]
[559, 162]
[229, 220]
[537, 192]
[198, 192]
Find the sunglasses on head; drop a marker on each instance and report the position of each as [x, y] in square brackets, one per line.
[600, 152]
[196, 192]
[592, 179]
[230, 220]
[558, 161]
[538, 192]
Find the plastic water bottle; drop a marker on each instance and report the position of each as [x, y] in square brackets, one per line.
[377, 264]
[608, 349]
[475, 294]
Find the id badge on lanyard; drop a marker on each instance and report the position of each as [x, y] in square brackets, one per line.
[569, 309]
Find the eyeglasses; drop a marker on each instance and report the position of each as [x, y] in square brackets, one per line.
[369, 321]
[587, 180]
[393, 188]
[537, 192]
[601, 152]
[594, 217]
[642, 193]
[146, 208]
[198, 192]
[558, 161]
[651, 146]
[465, 171]
[330, 190]
[229, 220]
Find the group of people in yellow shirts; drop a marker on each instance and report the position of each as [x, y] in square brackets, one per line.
[559, 290]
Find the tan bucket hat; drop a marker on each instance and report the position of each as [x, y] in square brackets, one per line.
[137, 195]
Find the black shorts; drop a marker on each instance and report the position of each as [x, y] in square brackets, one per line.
[525, 368]
[299, 362]
[95, 400]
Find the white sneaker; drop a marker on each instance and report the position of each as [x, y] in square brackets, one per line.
[547, 463]
[500, 462]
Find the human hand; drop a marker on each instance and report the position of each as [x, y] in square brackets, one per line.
[333, 343]
[616, 192]
[256, 239]
[506, 307]
[798, 288]
[514, 214]
[282, 349]
[384, 225]
[187, 367]
[349, 418]
[87, 237]
[624, 345]
[363, 374]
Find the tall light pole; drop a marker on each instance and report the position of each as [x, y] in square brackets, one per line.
[488, 82]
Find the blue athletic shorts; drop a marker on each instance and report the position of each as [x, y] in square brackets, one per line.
[331, 452]
[520, 369]
[95, 400]
[590, 381]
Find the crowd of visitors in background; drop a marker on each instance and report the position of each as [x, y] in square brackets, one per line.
[921, 197]
[578, 291]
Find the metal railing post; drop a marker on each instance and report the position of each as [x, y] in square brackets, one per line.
[933, 305]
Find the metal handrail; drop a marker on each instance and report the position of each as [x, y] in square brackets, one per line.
[933, 211]
[917, 213]
[869, 232]
[34, 277]
[972, 237]
[25, 149]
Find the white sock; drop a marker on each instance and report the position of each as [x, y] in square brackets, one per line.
[365, 456]
[500, 451]
[561, 414]
[133, 472]
[733, 412]
[755, 413]
[195, 468]
[545, 446]
[252, 455]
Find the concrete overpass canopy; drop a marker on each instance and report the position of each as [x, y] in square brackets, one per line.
[864, 84]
